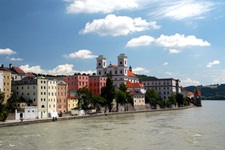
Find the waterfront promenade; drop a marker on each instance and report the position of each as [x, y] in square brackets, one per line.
[9, 123]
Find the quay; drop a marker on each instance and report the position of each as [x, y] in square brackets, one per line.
[9, 123]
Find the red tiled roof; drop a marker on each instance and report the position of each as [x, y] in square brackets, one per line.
[190, 93]
[18, 70]
[130, 74]
[133, 85]
[197, 92]
[30, 75]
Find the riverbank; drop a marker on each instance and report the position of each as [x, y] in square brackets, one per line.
[9, 123]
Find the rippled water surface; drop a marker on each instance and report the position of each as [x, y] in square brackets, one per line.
[194, 128]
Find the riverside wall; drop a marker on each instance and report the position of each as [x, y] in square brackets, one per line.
[9, 123]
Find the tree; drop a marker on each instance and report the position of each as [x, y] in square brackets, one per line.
[151, 96]
[180, 99]
[172, 99]
[85, 100]
[98, 101]
[3, 109]
[108, 92]
[120, 98]
[128, 98]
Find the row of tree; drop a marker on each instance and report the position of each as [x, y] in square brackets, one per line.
[86, 100]
[152, 97]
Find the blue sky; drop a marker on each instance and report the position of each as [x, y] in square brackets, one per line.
[166, 39]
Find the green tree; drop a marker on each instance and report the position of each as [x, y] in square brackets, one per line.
[172, 99]
[151, 96]
[180, 99]
[85, 100]
[129, 98]
[99, 101]
[120, 98]
[108, 92]
[3, 109]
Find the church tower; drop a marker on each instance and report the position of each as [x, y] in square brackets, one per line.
[122, 64]
[197, 98]
[101, 65]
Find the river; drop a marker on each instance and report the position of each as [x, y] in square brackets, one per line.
[200, 128]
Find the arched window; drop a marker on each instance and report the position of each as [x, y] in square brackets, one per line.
[42, 106]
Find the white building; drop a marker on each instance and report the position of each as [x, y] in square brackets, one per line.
[40, 92]
[52, 97]
[164, 87]
[1, 81]
[120, 72]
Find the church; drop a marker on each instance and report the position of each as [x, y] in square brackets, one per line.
[120, 72]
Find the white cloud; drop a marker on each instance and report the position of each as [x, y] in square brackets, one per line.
[174, 51]
[16, 59]
[215, 62]
[100, 6]
[118, 25]
[180, 40]
[7, 51]
[165, 63]
[140, 41]
[179, 10]
[189, 82]
[140, 70]
[66, 69]
[83, 54]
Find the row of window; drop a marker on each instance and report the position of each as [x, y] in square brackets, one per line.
[76, 78]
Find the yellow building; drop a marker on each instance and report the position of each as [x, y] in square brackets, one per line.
[72, 103]
[6, 84]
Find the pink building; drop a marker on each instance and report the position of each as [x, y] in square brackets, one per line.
[96, 83]
[62, 97]
[76, 82]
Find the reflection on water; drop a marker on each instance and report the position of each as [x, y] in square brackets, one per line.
[195, 128]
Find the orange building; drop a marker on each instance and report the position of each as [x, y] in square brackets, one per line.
[76, 82]
[96, 83]
[62, 97]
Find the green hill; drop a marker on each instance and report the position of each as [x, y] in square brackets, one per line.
[211, 92]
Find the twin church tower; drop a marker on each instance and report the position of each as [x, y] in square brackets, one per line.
[120, 72]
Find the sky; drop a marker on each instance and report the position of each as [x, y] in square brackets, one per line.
[167, 39]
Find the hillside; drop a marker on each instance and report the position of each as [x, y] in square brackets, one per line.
[212, 92]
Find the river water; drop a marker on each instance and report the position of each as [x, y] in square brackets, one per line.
[200, 128]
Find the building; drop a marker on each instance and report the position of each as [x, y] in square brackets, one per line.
[1, 81]
[52, 97]
[96, 83]
[72, 102]
[164, 87]
[197, 98]
[120, 72]
[137, 92]
[5, 83]
[62, 97]
[40, 92]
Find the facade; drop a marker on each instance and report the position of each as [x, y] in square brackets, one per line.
[137, 91]
[1, 81]
[76, 82]
[62, 97]
[72, 103]
[120, 72]
[40, 92]
[5, 83]
[164, 87]
[96, 83]
[52, 97]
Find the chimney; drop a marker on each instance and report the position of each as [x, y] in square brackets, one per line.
[10, 66]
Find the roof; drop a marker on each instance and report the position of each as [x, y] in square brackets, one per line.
[130, 74]
[112, 66]
[190, 93]
[133, 85]
[30, 75]
[197, 92]
[18, 70]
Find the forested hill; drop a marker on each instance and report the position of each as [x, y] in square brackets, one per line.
[144, 77]
[212, 92]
